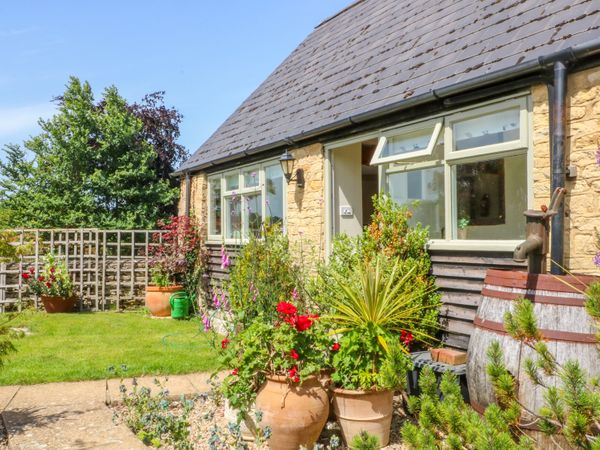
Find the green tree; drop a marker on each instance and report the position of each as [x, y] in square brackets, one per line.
[93, 165]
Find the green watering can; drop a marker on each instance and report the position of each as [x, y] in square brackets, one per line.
[180, 305]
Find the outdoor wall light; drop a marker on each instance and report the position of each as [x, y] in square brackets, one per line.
[287, 162]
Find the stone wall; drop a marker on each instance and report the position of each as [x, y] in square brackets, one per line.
[582, 204]
[305, 220]
[199, 198]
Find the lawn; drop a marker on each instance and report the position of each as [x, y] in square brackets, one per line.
[70, 347]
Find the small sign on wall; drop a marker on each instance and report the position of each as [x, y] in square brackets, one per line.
[346, 211]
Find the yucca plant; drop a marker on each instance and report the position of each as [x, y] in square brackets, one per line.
[377, 316]
[380, 296]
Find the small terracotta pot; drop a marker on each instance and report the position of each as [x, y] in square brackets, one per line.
[157, 299]
[369, 411]
[296, 414]
[55, 304]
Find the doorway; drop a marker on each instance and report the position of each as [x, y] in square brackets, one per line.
[355, 182]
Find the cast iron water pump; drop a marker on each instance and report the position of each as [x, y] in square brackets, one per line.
[535, 247]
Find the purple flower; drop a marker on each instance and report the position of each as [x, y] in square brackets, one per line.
[597, 259]
[225, 262]
[295, 294]
[215, 300]
[253, 174]
[206, 322]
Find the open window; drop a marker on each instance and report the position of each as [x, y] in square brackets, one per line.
[407, 142]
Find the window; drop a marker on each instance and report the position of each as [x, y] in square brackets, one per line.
[407, 142]
[471, 182]
[247, 197]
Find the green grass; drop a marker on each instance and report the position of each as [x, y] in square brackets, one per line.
[71, 347]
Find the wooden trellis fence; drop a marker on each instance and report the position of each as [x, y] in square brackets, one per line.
[109, 267]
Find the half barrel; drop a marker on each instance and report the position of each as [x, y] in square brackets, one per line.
[567, 328]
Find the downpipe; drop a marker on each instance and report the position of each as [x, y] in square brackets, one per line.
[558, 126]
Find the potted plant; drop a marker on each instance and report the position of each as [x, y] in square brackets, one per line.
[175, 263]
[53, 285]
[377, 317]
[463, 223]
[275, 366]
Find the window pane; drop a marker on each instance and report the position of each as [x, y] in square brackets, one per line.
[274, 193]
[232, 181]
[233, 224]
[252, 214]
[250, 177]
[425, 186]
[491, 198]
[495, 128]
[406, 143]
[214, 209]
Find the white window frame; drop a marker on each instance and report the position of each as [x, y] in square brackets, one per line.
[435, 125]
[242, 191]
[452, 158]
[493, 149]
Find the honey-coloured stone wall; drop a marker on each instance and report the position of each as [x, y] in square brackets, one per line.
[198, 196]
[582, 204]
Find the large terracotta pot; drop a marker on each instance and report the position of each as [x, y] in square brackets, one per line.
[296, 414]
[55, 304]
[157, 299]
[369, 411]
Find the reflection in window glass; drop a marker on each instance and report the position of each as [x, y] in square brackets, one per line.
[232, 181]
[274, 193]
[251, 178]
[491, 198]
[233, 226]
[252, 214]
[406, 143]
[426, 187]
[489, 129]
[214, 210]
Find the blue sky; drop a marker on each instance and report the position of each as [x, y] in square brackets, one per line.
[207, 55]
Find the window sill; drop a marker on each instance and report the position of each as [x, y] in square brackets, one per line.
[473, 245]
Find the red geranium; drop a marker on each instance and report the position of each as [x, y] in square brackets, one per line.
[294, 354]
[406, 337]
[335, 347]
[305, 322]
[25, 276]
[224, 343]
[293, 374]
[286, 308]
[234, 371]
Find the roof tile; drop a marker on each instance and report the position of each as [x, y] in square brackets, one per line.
[377, 52]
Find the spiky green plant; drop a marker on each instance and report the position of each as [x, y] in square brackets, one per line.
[379, 296]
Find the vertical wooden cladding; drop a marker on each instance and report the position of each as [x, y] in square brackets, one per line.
[459, 277]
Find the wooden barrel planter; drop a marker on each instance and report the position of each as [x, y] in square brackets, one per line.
[562, 320]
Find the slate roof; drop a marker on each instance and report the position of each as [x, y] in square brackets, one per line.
[377, 52]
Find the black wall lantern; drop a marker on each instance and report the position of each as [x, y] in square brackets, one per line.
[287, 162]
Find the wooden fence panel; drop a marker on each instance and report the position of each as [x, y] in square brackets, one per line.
[110, 268]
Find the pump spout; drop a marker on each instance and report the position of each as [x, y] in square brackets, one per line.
[532, 245]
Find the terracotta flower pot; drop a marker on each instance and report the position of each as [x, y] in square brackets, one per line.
[369, 411]
[55, 304]
[296, 414]
[157, 299]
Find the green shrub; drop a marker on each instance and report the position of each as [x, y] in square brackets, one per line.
[263, 275]
[445, 421]
[391, 236]
[365, 441]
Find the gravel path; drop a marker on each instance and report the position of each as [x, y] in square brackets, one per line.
[211, 429]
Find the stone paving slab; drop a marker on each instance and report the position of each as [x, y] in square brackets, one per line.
[74, 415]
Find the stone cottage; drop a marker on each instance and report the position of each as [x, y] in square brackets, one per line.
[477, 109]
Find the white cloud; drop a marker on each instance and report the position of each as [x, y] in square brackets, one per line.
[22, 119]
